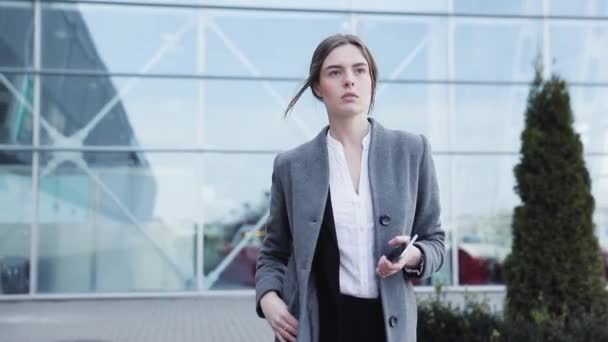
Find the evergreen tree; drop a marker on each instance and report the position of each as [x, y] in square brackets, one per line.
[554, 270]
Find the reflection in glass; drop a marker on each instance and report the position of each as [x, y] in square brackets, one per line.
[150, 112]
[233, 44]
[488, 118]
[415, 108]
[379, 5]
[483, 202]
[249, 116]
[16, 34]
[16, 98]
[513, 7]
[15, 221]
[406, 47]
[586, 8]
[79, 37]
[496, 50]
[236, 197]
[579, 49]
[590, 120]
[598, 172]
[114, 222]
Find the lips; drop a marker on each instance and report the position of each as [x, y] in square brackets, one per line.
[349, 96]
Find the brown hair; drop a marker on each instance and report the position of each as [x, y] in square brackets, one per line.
[318, 57]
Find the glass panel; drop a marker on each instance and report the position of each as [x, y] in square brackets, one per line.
[483, 202]
[256, 122]
[496, 50]
[491, 118]
[488, 118]
[578, 49]
[590, 107]
[402, 6]
[16, 33]
[483, 206]
[164, 112]
[235, 48]
[79, 37]
[442, 168]
[598, 171]
[236, 195]
[587, 8]
[249, 116]
[406, 47]
[235, 204]
[16, 103]
[118, 222]
[517, 7]
[148, 112]
[380, 5]
[418, 51]
[15, 221]
[415, 108]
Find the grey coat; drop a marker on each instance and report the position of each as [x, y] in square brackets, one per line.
[405, 200]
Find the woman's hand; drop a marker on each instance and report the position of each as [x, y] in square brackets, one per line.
[412, 258]
[284, 325]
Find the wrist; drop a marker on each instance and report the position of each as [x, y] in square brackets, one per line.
[268, 296]
[416, 260]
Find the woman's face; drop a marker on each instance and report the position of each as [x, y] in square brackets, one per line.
[345, 83]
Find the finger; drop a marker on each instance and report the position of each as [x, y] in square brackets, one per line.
[279, 336]
[385, 265]
[289, 328]
[287, 335]
[292, 321]
[380, 272]
[399, 239]
[383, 260]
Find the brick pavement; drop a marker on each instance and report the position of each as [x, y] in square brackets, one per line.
[206, 319]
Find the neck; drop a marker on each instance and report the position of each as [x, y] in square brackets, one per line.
[349, 131]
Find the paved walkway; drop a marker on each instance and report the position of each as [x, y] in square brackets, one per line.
[133, 320]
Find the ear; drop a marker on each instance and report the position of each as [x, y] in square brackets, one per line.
[316, 90]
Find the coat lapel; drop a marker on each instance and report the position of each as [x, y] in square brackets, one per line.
[311, 187]
[383, 189]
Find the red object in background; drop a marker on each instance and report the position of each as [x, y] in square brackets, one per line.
[605, 262]
[478, 270]
[242, 269]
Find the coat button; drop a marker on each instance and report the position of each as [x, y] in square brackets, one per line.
[392, 321]
[385, 220]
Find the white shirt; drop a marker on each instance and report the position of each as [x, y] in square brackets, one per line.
[354, 221]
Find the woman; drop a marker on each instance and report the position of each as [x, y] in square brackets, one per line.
[338, 203]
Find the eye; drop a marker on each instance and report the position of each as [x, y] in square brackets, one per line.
[334, 73]
[360, 70]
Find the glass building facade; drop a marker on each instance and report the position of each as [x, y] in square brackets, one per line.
[137, 137]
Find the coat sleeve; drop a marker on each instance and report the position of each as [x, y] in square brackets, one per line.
[277, 245]
[427, 223]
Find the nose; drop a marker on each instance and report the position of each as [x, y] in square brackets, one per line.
[349, 79]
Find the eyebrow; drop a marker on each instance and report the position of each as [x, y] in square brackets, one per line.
[336, 66]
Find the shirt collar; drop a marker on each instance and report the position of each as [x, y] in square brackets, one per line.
[331, 142]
